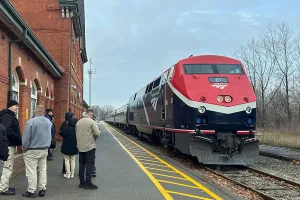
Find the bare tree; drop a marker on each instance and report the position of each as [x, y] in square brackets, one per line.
[261, 68]
[281, 46]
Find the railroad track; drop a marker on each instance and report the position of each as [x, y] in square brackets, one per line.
[268, 186]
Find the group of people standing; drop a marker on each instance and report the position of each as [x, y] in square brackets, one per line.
[38, 137]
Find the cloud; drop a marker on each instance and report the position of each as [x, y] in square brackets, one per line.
[132, 42]
[248, 17]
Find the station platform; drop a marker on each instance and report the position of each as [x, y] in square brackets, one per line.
[125, 171]
[289, 154]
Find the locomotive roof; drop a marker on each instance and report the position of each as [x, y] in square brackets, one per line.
[210, 59]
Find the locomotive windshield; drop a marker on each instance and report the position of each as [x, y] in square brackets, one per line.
[213, 69]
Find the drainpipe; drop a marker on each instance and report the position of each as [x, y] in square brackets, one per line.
[10, 91]
[70, 56]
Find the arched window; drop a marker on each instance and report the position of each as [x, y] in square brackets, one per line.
[33, 98]
[15, 88]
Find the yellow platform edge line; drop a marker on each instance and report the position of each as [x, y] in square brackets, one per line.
[146, 163]
[175, 177]
[149, 160]
[178, 171]
[180, 184]
[188, 195]
[161, 170]
[152, 178]
[140, 154]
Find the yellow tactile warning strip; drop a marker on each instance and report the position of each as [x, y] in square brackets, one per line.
[169, 180]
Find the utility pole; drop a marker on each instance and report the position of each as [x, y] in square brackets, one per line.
[90, 73]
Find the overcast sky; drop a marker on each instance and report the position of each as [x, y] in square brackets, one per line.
[131, 42]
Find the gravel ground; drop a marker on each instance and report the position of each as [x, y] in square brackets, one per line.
[280, 168]
[276, 189]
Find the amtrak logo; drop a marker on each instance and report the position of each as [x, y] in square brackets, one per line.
[219, 86]
[154, 102]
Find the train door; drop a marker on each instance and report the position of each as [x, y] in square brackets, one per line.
[165, 98]
[169, 100]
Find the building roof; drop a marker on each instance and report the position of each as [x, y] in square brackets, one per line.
[85, 104]
[13, 20]
[77, 6]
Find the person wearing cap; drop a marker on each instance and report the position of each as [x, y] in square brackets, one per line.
[49, 115]
[10, 122]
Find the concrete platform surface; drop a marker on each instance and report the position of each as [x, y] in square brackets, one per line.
[118, 177]
[280, 152]
[124, 172]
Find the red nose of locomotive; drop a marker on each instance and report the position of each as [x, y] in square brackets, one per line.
[220, 89]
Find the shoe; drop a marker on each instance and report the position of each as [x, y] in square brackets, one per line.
[90, 186]
[9, 192]
[94, 175]
[67, 175]
[82, 184]
[29, 194]
[42, 193]
[72, 175]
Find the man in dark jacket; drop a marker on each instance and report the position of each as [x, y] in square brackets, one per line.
[10, 122]
[68, 116]
[49, 115]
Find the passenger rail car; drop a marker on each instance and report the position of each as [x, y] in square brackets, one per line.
[203, 106]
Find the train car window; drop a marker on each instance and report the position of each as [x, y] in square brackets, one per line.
[213, 69]
[147, 89]
[150, 87]
[156, 83]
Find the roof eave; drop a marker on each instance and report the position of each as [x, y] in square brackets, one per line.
[78, 26]
[17, 26]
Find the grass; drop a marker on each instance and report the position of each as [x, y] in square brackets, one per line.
[279, 139]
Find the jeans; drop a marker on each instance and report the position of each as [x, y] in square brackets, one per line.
[86, 164]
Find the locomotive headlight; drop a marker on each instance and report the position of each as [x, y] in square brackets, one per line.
[228, 99]
[201, 109]
[248, 110]
[220, 98]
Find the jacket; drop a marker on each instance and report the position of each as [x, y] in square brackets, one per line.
[53, 130]
[11, 124]
[37, 133]
[86, 132]
[68, 116]
[69, 144]
[3, 143]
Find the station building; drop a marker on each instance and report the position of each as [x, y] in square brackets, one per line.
[46, 41]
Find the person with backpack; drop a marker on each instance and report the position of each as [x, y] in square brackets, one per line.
[10, 122]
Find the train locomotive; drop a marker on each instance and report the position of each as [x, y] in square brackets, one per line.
[203, 106]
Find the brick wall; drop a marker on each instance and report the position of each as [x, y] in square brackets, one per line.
[45, 19]
[29, 70]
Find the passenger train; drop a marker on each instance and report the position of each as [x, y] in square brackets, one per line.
[203, 106]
